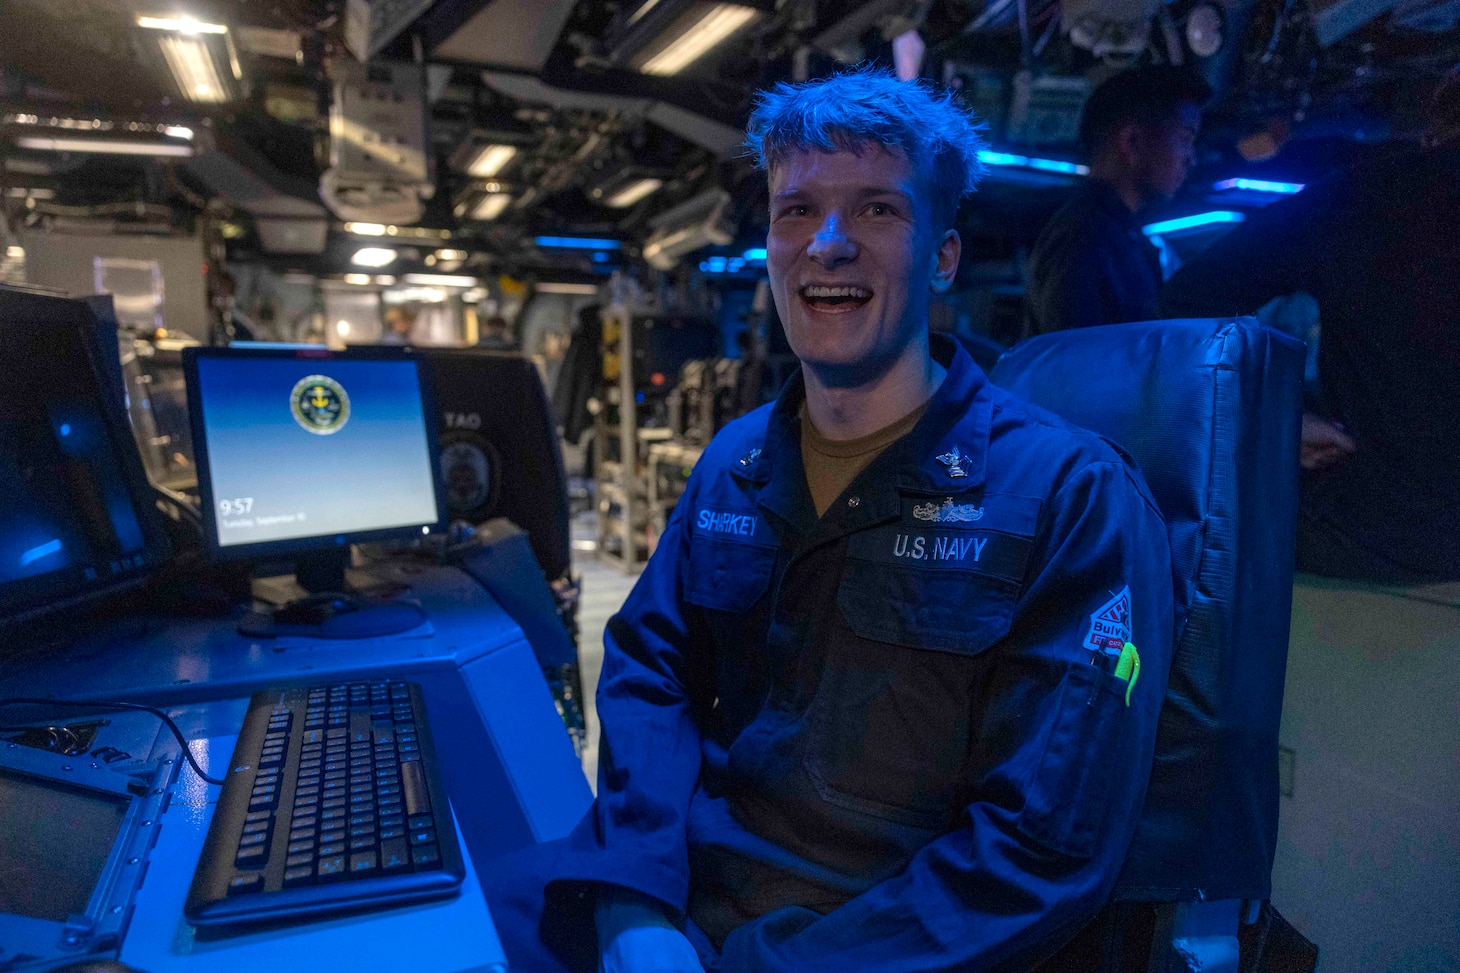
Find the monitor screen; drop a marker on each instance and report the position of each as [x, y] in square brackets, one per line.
[57, 840]
[306, 449]
[77, 517]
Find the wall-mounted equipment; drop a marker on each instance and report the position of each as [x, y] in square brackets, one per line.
[704, 220]
[379, 168]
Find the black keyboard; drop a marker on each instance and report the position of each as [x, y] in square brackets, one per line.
[333, 804]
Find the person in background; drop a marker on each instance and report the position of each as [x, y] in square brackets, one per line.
[400, 322]
[863, 710]
[1378, 246]
[234, 325]
[495, 334]
[1091, 264]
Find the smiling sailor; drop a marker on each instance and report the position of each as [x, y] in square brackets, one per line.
[873, 703]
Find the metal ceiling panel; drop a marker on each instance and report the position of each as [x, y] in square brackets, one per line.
[717, 137]
[507, 34]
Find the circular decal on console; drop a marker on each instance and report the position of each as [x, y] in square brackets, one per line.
[468, 474]
[320, 404]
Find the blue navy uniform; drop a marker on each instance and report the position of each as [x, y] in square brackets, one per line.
[881, 739]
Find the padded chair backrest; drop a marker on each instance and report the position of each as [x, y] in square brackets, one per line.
[1210, 410]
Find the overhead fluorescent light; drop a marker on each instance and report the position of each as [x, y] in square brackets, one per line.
[374, 256]
[178, 132]
[449, 254]
[489, 160]
[490, 206]
[384, 280]
[703, 28]
[183, 25]
[633, 192]
[423, 295]
[358, 279]
[403, 232]
[576, 243]
[192, 68]
[585, 290]
[1192, 222]
[644, 8]
[1261, 186]
[441, 280]
[29, 192]
[103, 146]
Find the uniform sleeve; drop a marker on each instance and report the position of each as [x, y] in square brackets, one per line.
[1058, 793]
[633, 836]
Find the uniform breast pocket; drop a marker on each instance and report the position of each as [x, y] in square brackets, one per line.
[945, 610]
[891, 721]
[728, 576]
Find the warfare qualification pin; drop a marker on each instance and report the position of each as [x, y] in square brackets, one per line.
[953, 459]
[320, 404]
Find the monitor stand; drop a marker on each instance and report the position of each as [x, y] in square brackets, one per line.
[331, 609]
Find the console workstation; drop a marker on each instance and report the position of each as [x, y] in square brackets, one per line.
[285, 733]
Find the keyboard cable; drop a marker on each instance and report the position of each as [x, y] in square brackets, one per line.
[137, 707]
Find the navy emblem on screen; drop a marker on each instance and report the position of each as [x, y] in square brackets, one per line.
[320, 404]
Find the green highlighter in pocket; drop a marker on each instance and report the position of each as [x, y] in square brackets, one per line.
[1128, 668]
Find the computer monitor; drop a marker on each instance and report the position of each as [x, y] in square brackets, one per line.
[305, 451]
[77, 520]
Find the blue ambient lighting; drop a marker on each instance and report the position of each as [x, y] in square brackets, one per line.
[755, 253]
[1054, 165]
[36, 553]
[725, 265]
[576, 243]
[1191, 222]
[65, 428]
[1028, 162]
[1002, 159]
[601, 258]
[1261, 186]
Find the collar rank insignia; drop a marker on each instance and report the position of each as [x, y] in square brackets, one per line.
[953, 459]
[750, 457]
[948, 512]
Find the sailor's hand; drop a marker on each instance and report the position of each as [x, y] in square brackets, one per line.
[634, 936]
[1324, 443]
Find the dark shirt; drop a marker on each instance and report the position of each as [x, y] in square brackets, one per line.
[1379, 248]
[1092, 265]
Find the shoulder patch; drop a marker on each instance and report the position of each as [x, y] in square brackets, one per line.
[1110, 626]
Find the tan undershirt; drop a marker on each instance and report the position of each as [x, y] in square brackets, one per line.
[832, 464]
